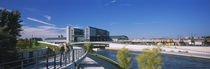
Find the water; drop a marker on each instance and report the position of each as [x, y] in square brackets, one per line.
[170, 61]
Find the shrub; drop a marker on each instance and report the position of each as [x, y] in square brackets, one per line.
[150, 59]
[124, 58]
[89, 47]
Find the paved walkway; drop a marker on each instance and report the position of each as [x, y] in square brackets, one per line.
[92, 62]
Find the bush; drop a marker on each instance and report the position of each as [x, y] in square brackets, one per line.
[89, 47]
[124, 58]
[150, 59]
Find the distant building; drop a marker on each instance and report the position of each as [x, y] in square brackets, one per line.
[197, 42]
[79, 35]
[95, 34]
[120, 37]
[59, 39]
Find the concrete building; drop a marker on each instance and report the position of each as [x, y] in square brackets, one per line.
[96, 34]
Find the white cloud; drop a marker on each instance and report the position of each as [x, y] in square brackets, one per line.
[1, 8]
[51, 27]
[48, 17]
[41, 31]
[113, 1]
[22, 23]
[36, 20]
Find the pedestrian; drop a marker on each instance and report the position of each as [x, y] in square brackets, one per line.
[62, 50]
[68, 52]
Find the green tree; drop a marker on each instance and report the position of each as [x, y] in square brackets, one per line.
[124, 58]
[150, 59]
[25, 43]
[30, 43]
[68, 44]
[89, 47]
[20, 43]
[36, 43]
[182, 42]
[205, 42]
[10, 31]
[193, 41]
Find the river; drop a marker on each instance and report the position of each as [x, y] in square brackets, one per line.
[170, 61]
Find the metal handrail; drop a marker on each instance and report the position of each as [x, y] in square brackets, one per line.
[36, 60]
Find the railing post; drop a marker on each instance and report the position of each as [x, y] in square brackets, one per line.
[54, 60]
[47, 58]
[37, 55]
[60, 59]
[69, 56]
[21, 64]
[65, 59]
[73, 55]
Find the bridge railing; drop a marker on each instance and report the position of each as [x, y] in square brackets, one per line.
[47, 59]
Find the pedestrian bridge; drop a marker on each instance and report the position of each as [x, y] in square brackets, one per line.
[47, 59]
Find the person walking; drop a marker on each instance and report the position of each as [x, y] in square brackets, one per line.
[65, 51]
[62, 51]
[68, 52]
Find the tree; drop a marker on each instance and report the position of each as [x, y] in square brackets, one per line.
[20, 43]
[36, 43]
[181, 42]
[25, 43]
[89, 47]
[68, 44]
[193, 41]
[124, 58]
[30, 43]
[10, 30]
[150, 59]
[205, 42]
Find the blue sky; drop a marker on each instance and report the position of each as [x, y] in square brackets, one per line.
[134, 18]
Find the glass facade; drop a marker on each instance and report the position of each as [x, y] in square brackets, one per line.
[95, 34]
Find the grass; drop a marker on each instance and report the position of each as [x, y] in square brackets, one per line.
[104, 58]
[34, 47]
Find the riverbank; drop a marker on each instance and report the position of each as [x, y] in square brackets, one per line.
[93, 62]
[198, 52]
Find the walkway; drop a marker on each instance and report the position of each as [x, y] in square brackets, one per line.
[92, 62]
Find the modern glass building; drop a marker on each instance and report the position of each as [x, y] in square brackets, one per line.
[96, 34]
[80, 35]
[77, 35]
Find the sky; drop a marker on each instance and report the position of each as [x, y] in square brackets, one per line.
[133, 18]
